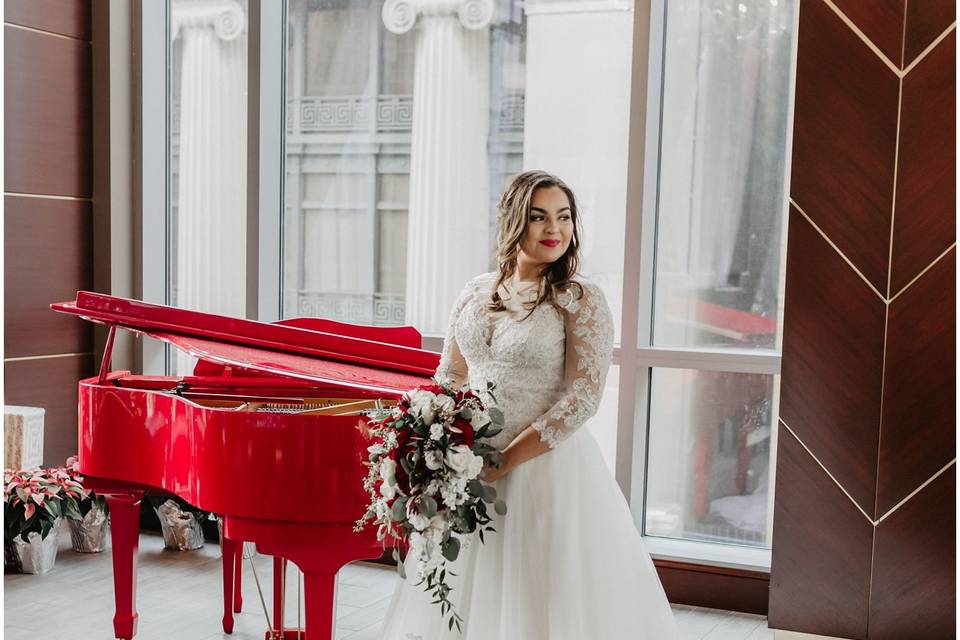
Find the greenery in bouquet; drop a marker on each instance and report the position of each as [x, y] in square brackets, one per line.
[35, 498]
[424, 463]
[72, 467]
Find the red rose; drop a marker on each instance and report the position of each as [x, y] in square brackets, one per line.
[466, 437]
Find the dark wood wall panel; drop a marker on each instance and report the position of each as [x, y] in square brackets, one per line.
[47, 114]
[48, 236]
[832, 360]
[715, 587]
[919, 401]
[926, 20]
[880, 20]
[820, 575]
[869, 377]
[914, 582]
[50, 383]
[48, 257]
[924, 224]
[844, 139]
[66, 17]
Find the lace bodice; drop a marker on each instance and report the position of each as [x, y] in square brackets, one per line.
[548, 369]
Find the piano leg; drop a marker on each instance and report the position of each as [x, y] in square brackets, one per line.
[319, 595]
[237, 578]
[125, 536]
[228, 551]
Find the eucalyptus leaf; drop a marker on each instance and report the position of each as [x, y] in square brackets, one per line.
[399, 508]
[489, 493]
[451, 549]
[428, 506]
[500, 507]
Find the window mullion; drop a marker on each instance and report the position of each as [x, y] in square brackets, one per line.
[266, 118]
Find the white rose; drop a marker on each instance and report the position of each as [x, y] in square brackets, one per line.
[436, 431]
[388, 471]
[476, 466]
[444, 403]
[462, 460]
[421, 405]
[418, 521]
[434, 459]
[388, 491]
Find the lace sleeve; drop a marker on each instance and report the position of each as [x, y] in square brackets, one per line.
[452, 369]
[589, 345]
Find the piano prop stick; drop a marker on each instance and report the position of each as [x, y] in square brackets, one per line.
[264, 434]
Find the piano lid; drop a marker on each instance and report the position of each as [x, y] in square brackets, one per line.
[284, 349]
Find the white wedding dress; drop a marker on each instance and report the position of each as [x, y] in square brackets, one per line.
[566, 562]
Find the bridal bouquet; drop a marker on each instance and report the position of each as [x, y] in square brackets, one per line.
[423, 483]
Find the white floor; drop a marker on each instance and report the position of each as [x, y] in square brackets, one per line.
[179, 597]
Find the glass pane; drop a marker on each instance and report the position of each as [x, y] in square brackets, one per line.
[399, 143]
[709, 473]
[719, 246]
[208, 154]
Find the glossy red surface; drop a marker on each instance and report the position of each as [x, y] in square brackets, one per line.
[381, 348]
[291, 483]
[279, 363]
[254, 464]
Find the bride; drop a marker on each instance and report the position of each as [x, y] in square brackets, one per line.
[566, 562]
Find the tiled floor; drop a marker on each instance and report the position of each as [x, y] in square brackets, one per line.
[179, 598]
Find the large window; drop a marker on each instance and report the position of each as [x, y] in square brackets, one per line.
[709, 327]
[342, 159]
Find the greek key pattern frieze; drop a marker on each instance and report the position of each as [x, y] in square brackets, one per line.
[382, 309]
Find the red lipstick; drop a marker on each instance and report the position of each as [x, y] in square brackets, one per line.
[550, 243]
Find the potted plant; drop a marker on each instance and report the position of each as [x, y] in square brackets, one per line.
[35, 500]
[88, 533]
[180, 522]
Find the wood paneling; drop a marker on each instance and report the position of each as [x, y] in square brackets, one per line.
[924, 224]
[48, 257]
[880, 20]
[832, 361]
[913, 594]
[714, 587]
[50, 383]
[918, 435]
[845, 121]
[47, 114]
[820, 570]
[926, 20]
[66, 17]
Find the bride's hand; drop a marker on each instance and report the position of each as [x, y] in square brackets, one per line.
[490, 473]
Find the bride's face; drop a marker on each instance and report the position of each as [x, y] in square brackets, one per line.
[549, 227]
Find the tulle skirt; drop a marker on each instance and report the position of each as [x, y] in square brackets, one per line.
[565, 563]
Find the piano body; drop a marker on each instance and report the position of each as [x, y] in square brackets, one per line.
[265, 434]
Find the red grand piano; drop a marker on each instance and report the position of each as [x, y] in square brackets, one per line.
[269, 404]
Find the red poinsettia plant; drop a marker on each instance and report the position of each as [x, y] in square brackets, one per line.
[72, 467]
[35, 498]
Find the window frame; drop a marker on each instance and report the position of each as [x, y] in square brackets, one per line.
[636, 355]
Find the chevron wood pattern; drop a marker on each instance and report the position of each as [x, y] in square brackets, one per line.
[868, 384]
[917, 431]
[914, 558]
[924, 225]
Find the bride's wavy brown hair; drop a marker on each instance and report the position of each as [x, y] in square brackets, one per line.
[512, 223]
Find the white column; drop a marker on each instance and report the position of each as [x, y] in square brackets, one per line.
[449, 215]
[211, 195]
[576, 116]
